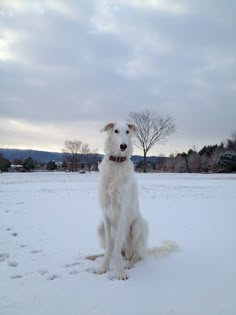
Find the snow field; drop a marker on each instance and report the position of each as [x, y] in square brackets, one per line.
[48, 225]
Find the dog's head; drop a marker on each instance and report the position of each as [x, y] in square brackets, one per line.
[119, 140]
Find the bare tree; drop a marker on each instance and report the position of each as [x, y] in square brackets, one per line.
[194, 162]
[90, 155]
[180, 165]
[213, 160]
[151, 130]
[71, 151]
[169, 165]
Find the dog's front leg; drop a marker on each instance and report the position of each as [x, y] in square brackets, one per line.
[108, 246]
[120, 238]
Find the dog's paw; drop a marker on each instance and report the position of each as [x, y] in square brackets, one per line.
[121, 275]
[101, 271]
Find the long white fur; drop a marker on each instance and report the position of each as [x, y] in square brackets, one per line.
[123, 230]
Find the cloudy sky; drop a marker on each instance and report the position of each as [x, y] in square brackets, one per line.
[69, 67]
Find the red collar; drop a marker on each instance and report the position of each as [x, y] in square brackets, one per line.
[117, 159]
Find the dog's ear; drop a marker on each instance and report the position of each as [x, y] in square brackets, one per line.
[133, 128]
[108, 127]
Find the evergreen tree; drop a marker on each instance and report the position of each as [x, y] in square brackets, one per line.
[4, 164]
[51, 166]
[28, 164]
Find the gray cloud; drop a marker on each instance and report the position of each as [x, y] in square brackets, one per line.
[70, 63]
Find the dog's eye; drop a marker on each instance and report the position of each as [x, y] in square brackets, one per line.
[127, 131]
[116, 131]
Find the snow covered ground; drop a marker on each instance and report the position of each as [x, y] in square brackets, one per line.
[48, 225]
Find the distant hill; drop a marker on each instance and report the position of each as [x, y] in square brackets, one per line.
[45, 157]
[39, 156]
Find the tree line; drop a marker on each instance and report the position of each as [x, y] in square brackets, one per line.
[28, 164]
[211, 158]
[152, 129]
[76, 156]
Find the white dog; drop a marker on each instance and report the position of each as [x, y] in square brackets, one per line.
[123, 231]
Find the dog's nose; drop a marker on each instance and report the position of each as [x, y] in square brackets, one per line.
[123, 147]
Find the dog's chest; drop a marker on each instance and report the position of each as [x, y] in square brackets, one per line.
[113, 186]
[111, 194]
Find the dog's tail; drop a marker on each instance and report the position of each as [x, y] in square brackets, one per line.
[166, 248]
